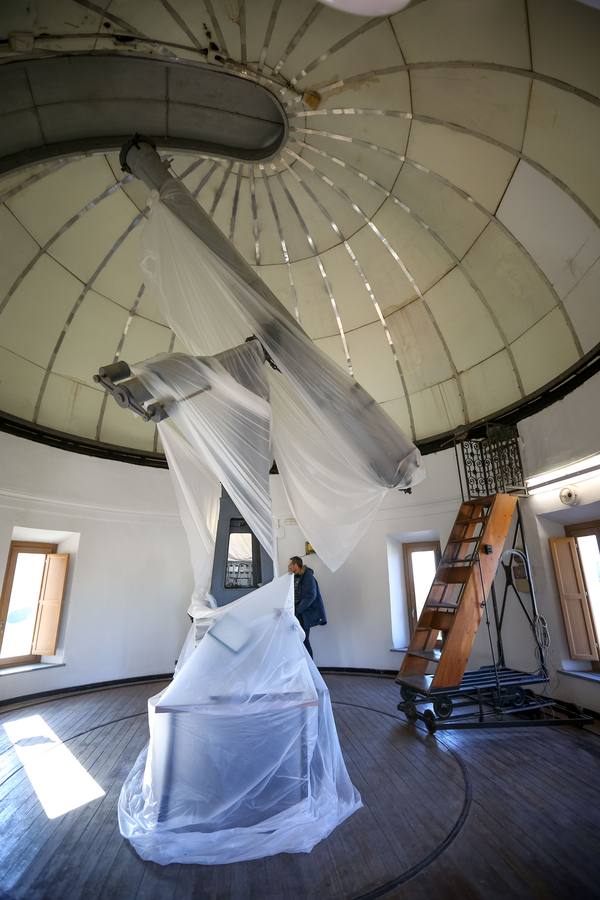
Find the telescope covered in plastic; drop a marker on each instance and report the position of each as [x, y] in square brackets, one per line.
[244, 305]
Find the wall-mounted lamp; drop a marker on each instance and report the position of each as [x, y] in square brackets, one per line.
[565, 475]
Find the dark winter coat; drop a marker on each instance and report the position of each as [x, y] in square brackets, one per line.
[309, 607]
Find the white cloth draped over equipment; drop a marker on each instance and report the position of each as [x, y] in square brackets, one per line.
[337, 451]
[244, 759]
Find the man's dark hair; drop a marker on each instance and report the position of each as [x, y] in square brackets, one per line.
[297, 561]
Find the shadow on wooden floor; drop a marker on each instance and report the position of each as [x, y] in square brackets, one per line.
[463, 815]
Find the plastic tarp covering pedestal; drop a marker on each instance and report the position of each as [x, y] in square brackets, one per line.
[244, 759]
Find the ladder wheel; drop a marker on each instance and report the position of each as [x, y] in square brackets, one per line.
[518, 697]
[407, 693]
[429, 719]
[443, 707]
[410, 711]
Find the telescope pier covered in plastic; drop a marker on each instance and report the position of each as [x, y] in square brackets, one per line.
[244, 759]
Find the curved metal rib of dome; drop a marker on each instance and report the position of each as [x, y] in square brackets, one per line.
[447, 250]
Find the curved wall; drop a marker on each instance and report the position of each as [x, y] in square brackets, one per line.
[130, 579]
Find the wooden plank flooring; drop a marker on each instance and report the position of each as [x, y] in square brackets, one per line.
[465, 815]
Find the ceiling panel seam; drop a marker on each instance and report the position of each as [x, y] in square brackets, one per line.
[216, 26]
[335, 86]
[103, 13]
[457, 261]
[370, 293]
[167, 101]
[220, 189]
[241, 18]
[49, 167]
[178, 18]
[86, 288]
[43, 248]
[117, 353]
[268, 35]
[519, 155]
[254, 211]
[205, 179]
[280, 87]
[395, 256]
[503, 228]
[234, 203]
[343, 42]
[326, 283]
[452, 126]
[528, 29]
[34, 105]
[282, 242]
[297, 36]
[387, 333]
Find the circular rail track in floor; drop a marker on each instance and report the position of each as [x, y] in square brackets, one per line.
[415, 791]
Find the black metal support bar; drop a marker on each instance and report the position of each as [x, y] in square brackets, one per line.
[499, 642]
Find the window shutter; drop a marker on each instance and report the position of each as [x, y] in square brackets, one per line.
[573, 598]
[50, 603]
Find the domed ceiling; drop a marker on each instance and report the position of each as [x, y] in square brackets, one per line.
[431, 217]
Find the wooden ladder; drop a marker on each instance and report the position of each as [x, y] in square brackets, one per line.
[454, 604]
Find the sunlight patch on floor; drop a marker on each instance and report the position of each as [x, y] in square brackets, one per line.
[59, 780]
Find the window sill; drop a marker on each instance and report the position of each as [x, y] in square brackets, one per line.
[31, 667]
[586, 676]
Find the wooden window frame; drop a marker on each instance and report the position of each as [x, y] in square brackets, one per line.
[582, 529]
[407, 551]
[17, 547]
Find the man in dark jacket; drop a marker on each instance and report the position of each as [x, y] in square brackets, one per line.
[308, 603]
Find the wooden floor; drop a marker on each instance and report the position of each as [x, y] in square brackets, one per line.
[477, 814]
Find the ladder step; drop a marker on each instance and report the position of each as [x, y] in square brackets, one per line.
[431, 655]
[441, 604]
[458, 585]
[460, 559]
[433, 620]
[450, 575]
[418, 682]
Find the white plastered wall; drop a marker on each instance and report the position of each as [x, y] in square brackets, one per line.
[358, 598]
[360, 632]
[131, 580]
[563, 433]
[129, 586]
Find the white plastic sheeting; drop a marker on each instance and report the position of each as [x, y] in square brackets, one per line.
[197, 491]
[337, 451]
[244, 759]
[225, 423]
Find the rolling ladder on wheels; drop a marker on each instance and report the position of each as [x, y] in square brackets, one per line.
[453, 609]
